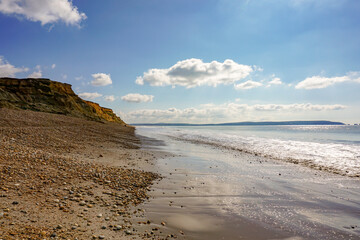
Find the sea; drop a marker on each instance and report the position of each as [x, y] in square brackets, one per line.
[334, 148]
[296, 181]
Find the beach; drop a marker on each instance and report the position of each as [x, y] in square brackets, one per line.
[69, 178]
[219, 193]
[59, 180]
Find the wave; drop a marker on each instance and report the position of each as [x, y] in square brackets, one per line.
[339, 158]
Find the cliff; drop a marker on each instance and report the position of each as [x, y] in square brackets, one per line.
[44, 95]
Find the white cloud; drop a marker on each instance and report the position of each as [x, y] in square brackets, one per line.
[258, 69]
[109, 98]
[317, 82]
[137, 98]
[210, 113]
[247, 85]
[36, 74]
[275, 81]
[194, 72]
[8, 70]
[64, 76]
[53, 66]
[90, 96]
[101, 79]
[44, 11]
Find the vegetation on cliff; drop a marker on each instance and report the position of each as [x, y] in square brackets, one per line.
[45, 95]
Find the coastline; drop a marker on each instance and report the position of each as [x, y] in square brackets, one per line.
[216, 193]
[68, 178]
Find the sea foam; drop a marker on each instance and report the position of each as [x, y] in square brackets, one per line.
[335, 157]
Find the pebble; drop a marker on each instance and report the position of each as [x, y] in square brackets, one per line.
[49, 180]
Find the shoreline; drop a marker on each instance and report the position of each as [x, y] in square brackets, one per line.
[68, 178]
[76, 179]
[214, 193]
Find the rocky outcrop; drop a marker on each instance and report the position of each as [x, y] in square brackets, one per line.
[44, 95]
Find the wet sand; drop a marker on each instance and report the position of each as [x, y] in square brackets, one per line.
[212, 193]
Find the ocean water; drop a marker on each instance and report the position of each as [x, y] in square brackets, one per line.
[329, 148]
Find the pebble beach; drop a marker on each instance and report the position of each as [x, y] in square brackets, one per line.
[55, 183]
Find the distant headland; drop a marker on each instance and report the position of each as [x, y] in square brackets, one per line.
[245, 123]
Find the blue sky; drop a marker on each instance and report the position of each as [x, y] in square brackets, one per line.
[193, 61]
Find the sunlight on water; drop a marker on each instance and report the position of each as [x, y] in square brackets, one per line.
[331, 148]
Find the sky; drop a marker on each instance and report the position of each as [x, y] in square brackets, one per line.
[200, 61]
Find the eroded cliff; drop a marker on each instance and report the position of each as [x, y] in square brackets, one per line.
[45, 95]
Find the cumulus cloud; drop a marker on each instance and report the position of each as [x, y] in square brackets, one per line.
[275, 81]
[247, 85]
[8, 70]
[36, 74]
[137, 98]
[194, 72]
[223, 112]
[101, 79]
[90, 96]
[53, 66]
[109, 98]
[43, 11]
[317, 82]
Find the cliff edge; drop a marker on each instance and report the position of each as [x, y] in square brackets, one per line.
[45, 95]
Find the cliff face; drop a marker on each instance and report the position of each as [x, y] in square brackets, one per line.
[44, 95]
